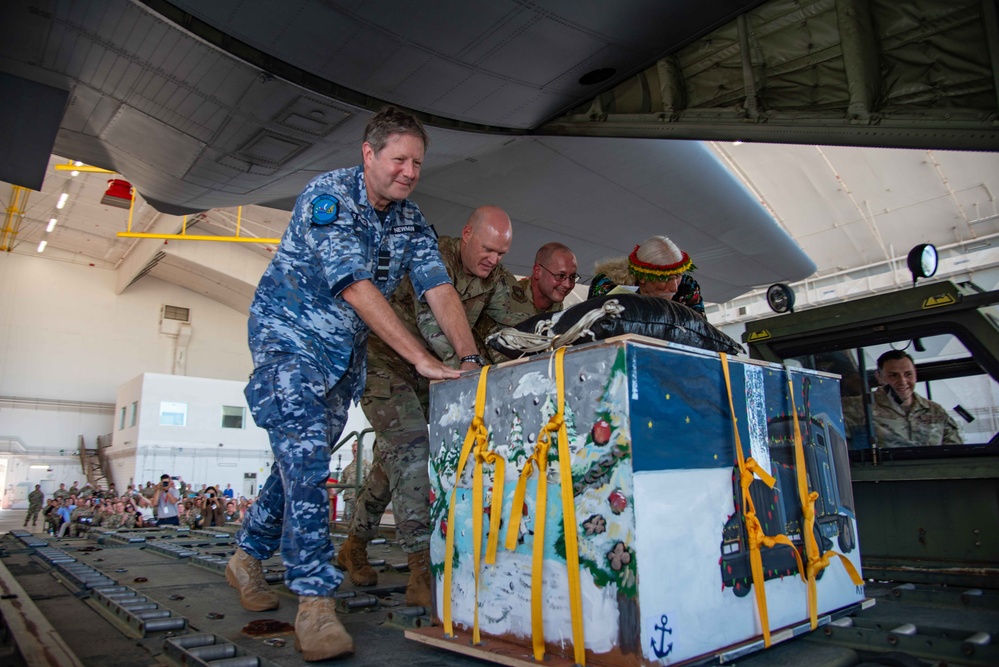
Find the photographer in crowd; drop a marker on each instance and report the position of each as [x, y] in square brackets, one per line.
[214, 511]
[165, 501]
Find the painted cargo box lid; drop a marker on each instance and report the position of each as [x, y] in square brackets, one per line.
[660, 559]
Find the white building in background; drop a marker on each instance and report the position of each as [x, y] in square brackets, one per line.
[199, 429]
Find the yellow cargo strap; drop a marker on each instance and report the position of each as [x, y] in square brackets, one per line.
[816, 562]
[754, 530]
[539, 460]
[476, 443]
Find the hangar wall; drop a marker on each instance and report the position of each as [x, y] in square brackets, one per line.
[66, 335]
[67, 342]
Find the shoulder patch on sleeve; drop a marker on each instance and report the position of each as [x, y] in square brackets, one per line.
[325, 209]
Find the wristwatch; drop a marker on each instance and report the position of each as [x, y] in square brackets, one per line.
[475, 359]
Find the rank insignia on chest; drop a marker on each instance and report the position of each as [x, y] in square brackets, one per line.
[325, 209]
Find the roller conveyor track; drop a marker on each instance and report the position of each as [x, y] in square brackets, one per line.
[164, 600]
[938, 624]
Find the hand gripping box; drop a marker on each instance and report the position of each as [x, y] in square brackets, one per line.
[654, 553]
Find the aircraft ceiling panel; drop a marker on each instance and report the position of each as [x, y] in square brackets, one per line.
[153, 142]
[524, 48]
[616, 184]
[681, 179]
[29, 41]
[536, 51]
[209, 173]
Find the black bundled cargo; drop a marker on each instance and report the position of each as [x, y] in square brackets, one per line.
[608, 316]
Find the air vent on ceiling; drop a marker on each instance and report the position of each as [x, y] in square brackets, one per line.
[176, 313]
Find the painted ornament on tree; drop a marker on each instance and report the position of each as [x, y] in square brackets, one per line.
[618, 501]
[601, 432]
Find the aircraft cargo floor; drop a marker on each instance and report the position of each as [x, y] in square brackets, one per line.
[159, 597]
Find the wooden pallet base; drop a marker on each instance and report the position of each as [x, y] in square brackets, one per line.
[491, 649]
[506, 653]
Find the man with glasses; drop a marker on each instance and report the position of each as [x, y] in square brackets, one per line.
[553, 278]
[543, 291]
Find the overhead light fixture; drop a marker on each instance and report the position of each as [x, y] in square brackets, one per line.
[737, 142]
[119, 193]
[39, 467]
[62, 200]
[52, 224]
[41, 246]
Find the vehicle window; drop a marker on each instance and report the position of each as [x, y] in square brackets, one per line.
[968, 399]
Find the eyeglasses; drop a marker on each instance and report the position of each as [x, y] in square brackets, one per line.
[562, 277]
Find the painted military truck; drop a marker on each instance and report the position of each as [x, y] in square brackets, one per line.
[779, 508]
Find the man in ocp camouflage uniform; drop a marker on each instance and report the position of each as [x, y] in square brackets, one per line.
[902, 418]
[36, 500]
[352, 238]
[81, 518]
[396, 399]
[551, 280]
[111, 520]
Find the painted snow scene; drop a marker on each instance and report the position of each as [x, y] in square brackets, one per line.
[664, 570]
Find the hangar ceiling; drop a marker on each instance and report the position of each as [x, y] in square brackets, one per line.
[206, 106]
[915, 74]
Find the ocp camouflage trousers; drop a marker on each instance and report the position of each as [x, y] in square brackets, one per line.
[396, 405]
[289, 398]
[33, 511]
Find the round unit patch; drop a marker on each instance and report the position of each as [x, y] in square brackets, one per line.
[325, 209]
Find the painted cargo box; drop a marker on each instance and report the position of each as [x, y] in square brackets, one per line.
[664, 559]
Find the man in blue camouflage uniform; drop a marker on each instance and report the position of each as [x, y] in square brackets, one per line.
[352, 237]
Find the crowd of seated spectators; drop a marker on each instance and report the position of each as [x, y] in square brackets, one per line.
[75, 510]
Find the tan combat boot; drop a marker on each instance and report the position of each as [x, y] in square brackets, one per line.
[245, 574]
[319, 634]
[353, 558]
[418, 589]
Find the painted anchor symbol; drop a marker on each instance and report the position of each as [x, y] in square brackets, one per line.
[660, 653]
